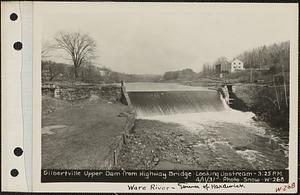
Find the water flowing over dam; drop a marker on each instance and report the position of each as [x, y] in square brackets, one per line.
[239, 141]
[173, 99]
[172, 102]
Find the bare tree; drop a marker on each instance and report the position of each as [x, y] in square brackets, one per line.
[221, 60]
[80, 47]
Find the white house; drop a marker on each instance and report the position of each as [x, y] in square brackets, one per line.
[236, 65]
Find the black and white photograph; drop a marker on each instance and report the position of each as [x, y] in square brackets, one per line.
[149, 97]
[165, 87]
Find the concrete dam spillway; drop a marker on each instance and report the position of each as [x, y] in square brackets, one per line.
[239, 141]
[175, 102]
[167, 99]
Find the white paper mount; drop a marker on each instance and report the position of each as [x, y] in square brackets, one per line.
[16, 96]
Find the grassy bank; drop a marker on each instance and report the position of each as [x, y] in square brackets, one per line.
[80, 135]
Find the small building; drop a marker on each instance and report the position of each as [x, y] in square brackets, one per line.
[223, 67]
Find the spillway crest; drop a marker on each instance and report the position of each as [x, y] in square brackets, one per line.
[148, 103]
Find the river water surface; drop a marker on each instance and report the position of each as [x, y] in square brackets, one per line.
[230, 137]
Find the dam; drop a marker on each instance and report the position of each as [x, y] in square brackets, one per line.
[149, 99]
[223, 138]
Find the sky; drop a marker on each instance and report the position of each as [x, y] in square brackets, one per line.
[152, 38]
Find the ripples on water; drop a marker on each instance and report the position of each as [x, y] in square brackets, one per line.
[237, 132]
[227, 133]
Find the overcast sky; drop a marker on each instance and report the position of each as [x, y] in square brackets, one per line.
[154, 38]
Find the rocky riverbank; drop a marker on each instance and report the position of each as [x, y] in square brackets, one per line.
[267, 102]
[160, 145]
[154, 142]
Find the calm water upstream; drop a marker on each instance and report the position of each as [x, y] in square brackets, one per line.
[226, 135]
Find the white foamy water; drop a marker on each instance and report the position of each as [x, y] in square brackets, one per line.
[198, 121]
[201, 120]
[231, 131]
[221, 130]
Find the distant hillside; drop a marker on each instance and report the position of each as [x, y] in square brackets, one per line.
[52, 71]
[262, 64]
[274, 56]
[181, 75]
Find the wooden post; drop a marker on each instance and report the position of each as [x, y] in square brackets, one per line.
[284, 87]
[276, 92]
[115, 158]
[124, 138]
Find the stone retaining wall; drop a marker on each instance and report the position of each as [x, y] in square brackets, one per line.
[110, 93]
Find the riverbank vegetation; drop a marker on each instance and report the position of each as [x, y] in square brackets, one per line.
[262, 87]
[266, 101]
[268, 67]
[53, 71]
[261, 64]
[76, 52]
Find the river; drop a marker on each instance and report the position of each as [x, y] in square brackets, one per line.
[230, 137]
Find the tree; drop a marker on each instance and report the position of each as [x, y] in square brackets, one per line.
[171, 75]
[273, 56]
[206, 69]
[52, 70]
[80, 47]
[221, 60]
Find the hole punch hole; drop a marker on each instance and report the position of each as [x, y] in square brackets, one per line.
[18, 45]
[13, 16]
[18, 151]
[14, 172]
